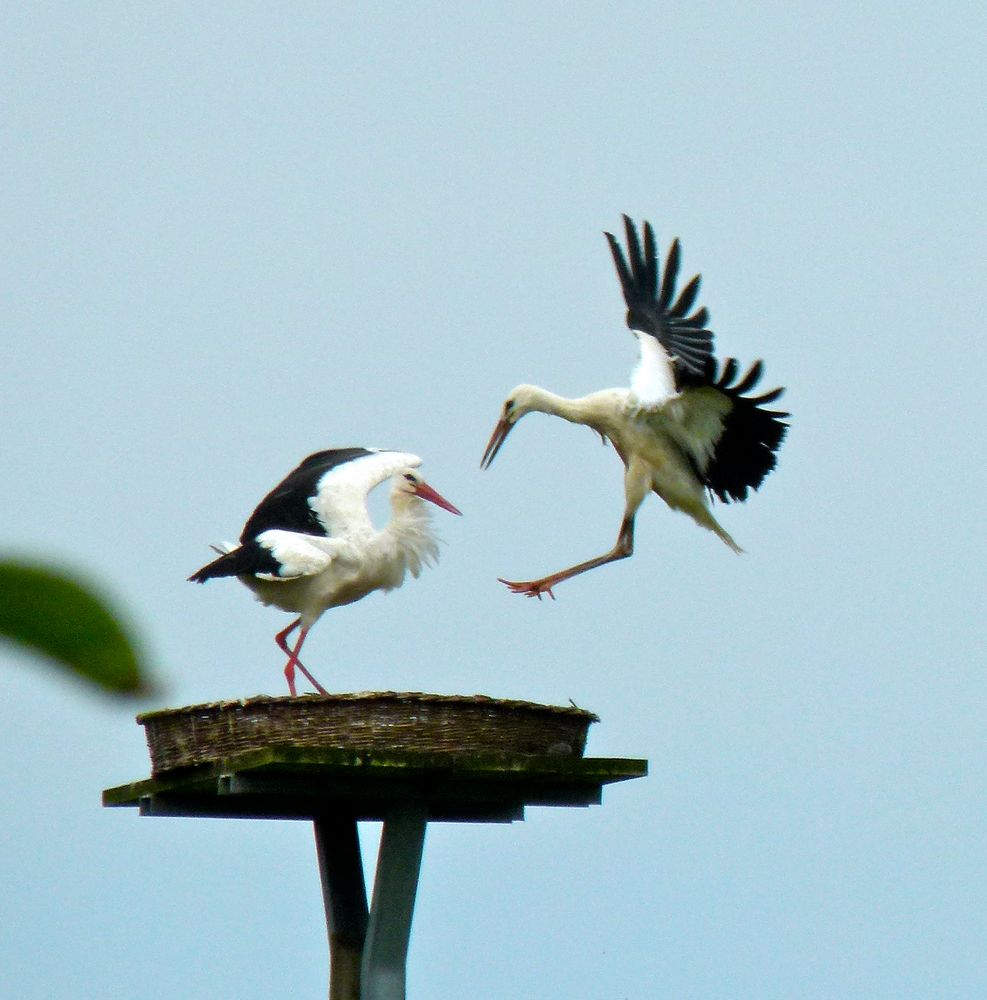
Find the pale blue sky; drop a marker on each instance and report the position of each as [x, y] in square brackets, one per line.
[236, 234]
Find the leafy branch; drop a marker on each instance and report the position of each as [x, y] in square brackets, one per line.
[64, 619]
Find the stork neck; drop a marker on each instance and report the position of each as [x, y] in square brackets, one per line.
[410, 532]
[558, 406]
[591, 410]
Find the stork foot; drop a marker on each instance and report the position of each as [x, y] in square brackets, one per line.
[318, 687]
[530, 588]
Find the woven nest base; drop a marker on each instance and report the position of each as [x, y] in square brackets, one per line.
[423, 723]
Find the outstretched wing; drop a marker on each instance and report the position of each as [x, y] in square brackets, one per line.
[731, 438]
[652, 305]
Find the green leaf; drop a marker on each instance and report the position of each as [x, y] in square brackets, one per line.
[63, 619]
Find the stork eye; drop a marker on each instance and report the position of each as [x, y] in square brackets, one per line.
[410, 477]
[508, 406]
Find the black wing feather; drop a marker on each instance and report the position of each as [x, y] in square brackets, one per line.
[751, 379]
[620, 263]
[729, 372]
[670, 277]
[644, 276]
[650, 256]
[649, 309]
[768, 397]
[698, 320]
[687, 297]
[746, 450]
[752, 435]
[287, 505]
[246, 560]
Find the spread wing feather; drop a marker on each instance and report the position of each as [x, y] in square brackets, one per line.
[731, 438]
[686, 298]
[652, 306]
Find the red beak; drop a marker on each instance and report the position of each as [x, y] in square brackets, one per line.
[426, 492]
[498, 437]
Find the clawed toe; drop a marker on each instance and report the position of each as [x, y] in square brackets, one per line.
[530, 588]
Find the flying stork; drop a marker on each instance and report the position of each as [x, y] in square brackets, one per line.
[310, 544]
[686, 428]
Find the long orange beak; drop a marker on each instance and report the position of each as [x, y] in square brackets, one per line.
[498, 437]
[426, 492]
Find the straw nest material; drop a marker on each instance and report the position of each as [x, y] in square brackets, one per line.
[406, 722]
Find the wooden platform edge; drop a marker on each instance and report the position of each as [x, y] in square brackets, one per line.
[381, 767]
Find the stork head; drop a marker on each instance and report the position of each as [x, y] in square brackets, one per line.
[409, 483]
[522, 399]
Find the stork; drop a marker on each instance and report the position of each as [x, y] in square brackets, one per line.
[686, 428]
[310, 544]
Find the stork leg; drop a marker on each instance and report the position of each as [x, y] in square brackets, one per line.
[289, 671]
[623, 548]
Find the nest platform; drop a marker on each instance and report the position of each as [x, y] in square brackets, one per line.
[394, 722]
[336, 760]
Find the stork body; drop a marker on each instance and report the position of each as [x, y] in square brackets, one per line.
[685, 429]
[310, 545]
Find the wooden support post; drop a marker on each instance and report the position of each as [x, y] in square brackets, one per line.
[398, 863]
[337, 841]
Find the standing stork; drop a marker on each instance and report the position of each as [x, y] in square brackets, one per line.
[310, 544]
[685, 429]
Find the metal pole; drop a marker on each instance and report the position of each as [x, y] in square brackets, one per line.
[337, 841]
[385, 950]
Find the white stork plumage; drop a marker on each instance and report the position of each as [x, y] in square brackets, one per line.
[685, 428]
[310, 544]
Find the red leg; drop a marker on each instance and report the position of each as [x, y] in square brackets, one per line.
[621, 550]
[289, 674]
[301, 666]
[282, 640]
[282, 637]
[289, 671]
